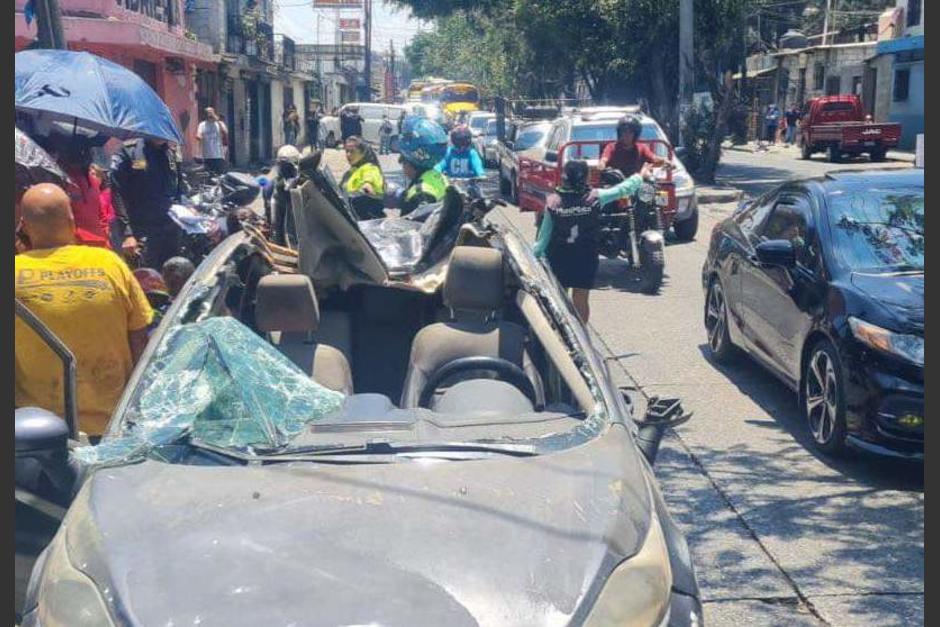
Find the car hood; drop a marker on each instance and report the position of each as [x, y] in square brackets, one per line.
[901, 294]
[489, 542]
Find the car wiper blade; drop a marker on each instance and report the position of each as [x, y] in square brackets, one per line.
[388, 448]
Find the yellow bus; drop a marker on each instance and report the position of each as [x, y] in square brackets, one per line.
[458, 98]
[414, 90]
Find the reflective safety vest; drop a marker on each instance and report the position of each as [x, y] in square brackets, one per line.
[362, 174]
[429, 187]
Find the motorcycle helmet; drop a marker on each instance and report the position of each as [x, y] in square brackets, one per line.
[575, 174]
[288, 161]
[460, 136]
[422, 142]
[629, 123]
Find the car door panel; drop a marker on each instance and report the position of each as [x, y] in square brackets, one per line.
[778, 302]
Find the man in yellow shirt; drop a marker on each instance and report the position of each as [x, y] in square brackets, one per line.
[88, 297]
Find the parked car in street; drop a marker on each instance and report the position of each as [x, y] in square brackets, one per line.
[523, 140]
[339, 437]
[486, 142]
[537, 175]
[822, 283]
[838, 126]
[371, 112]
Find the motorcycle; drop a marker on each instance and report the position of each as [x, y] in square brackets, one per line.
[215, 211]
[634, 229]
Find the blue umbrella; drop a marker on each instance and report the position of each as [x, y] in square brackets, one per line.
[86, 90]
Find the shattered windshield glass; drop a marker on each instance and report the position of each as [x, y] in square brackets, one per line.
[219, 383]
[880, 230]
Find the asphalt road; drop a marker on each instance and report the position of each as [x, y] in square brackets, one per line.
[779, 535]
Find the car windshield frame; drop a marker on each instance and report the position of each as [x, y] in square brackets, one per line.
[872, 227]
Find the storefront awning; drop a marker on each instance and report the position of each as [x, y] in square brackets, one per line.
[892, 46]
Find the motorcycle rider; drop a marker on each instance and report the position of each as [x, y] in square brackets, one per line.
[276, 195]
[363, 181]
[568, 232]
[461, 160]
[627, 154]
[422, 145]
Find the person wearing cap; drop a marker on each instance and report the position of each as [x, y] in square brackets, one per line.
[212, 137]
[89, 299]
[146, 181]
[568, 232]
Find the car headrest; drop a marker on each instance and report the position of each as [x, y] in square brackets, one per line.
[287, 303]
[474, 280]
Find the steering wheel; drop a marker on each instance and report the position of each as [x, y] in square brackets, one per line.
[505, 370]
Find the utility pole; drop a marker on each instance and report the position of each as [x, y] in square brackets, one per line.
[49, 33]
[825, 36]
[394, 95]
[686, 52]
[368, 64]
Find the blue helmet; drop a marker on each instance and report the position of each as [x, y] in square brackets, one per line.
[422, 143]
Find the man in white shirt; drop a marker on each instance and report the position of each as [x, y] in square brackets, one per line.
[212, 136]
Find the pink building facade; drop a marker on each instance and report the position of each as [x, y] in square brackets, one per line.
[145, 36]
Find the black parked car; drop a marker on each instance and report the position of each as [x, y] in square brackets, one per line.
[822, 282]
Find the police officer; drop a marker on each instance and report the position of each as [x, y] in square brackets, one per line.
[146, 180]
[421, 146]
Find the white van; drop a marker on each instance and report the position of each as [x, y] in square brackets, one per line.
[371, 112]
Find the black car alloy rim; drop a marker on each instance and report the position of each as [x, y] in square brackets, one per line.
[821, 390]
[715, 317]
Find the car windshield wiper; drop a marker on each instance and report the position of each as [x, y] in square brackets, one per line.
[388, 448]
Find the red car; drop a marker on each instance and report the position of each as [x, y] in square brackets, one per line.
[838, 126]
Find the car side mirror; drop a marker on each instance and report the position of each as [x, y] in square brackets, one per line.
[661, 415]
[551, 156]
[681, 152]
[776, 252]
[41, 455]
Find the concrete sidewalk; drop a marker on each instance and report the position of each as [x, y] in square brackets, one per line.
[783, 149]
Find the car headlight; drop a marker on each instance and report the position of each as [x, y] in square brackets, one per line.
[909, 347]
[682, 180]
[67, 596]
[637, 593]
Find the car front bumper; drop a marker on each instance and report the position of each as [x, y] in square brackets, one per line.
[884, 404]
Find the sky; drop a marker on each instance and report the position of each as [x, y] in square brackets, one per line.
[298, 20]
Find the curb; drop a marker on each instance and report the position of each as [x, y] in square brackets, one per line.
[707, 196]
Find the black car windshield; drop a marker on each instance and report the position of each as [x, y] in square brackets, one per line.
[879, 230]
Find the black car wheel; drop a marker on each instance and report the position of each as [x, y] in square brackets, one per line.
[834, 154]
[716, 323]
[823, 398]
[331, 140]
[806, 151]
[514, 189]
[878, 154]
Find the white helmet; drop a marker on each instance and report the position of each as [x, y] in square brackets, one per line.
[288, 153]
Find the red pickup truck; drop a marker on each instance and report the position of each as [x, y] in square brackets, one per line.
[837, 125]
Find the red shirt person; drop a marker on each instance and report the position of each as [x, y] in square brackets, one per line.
[84, 190]
[626, 154]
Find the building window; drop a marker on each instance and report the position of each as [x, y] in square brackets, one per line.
[819, 75]
[833, 86]
[902, 79]
[913, 12]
